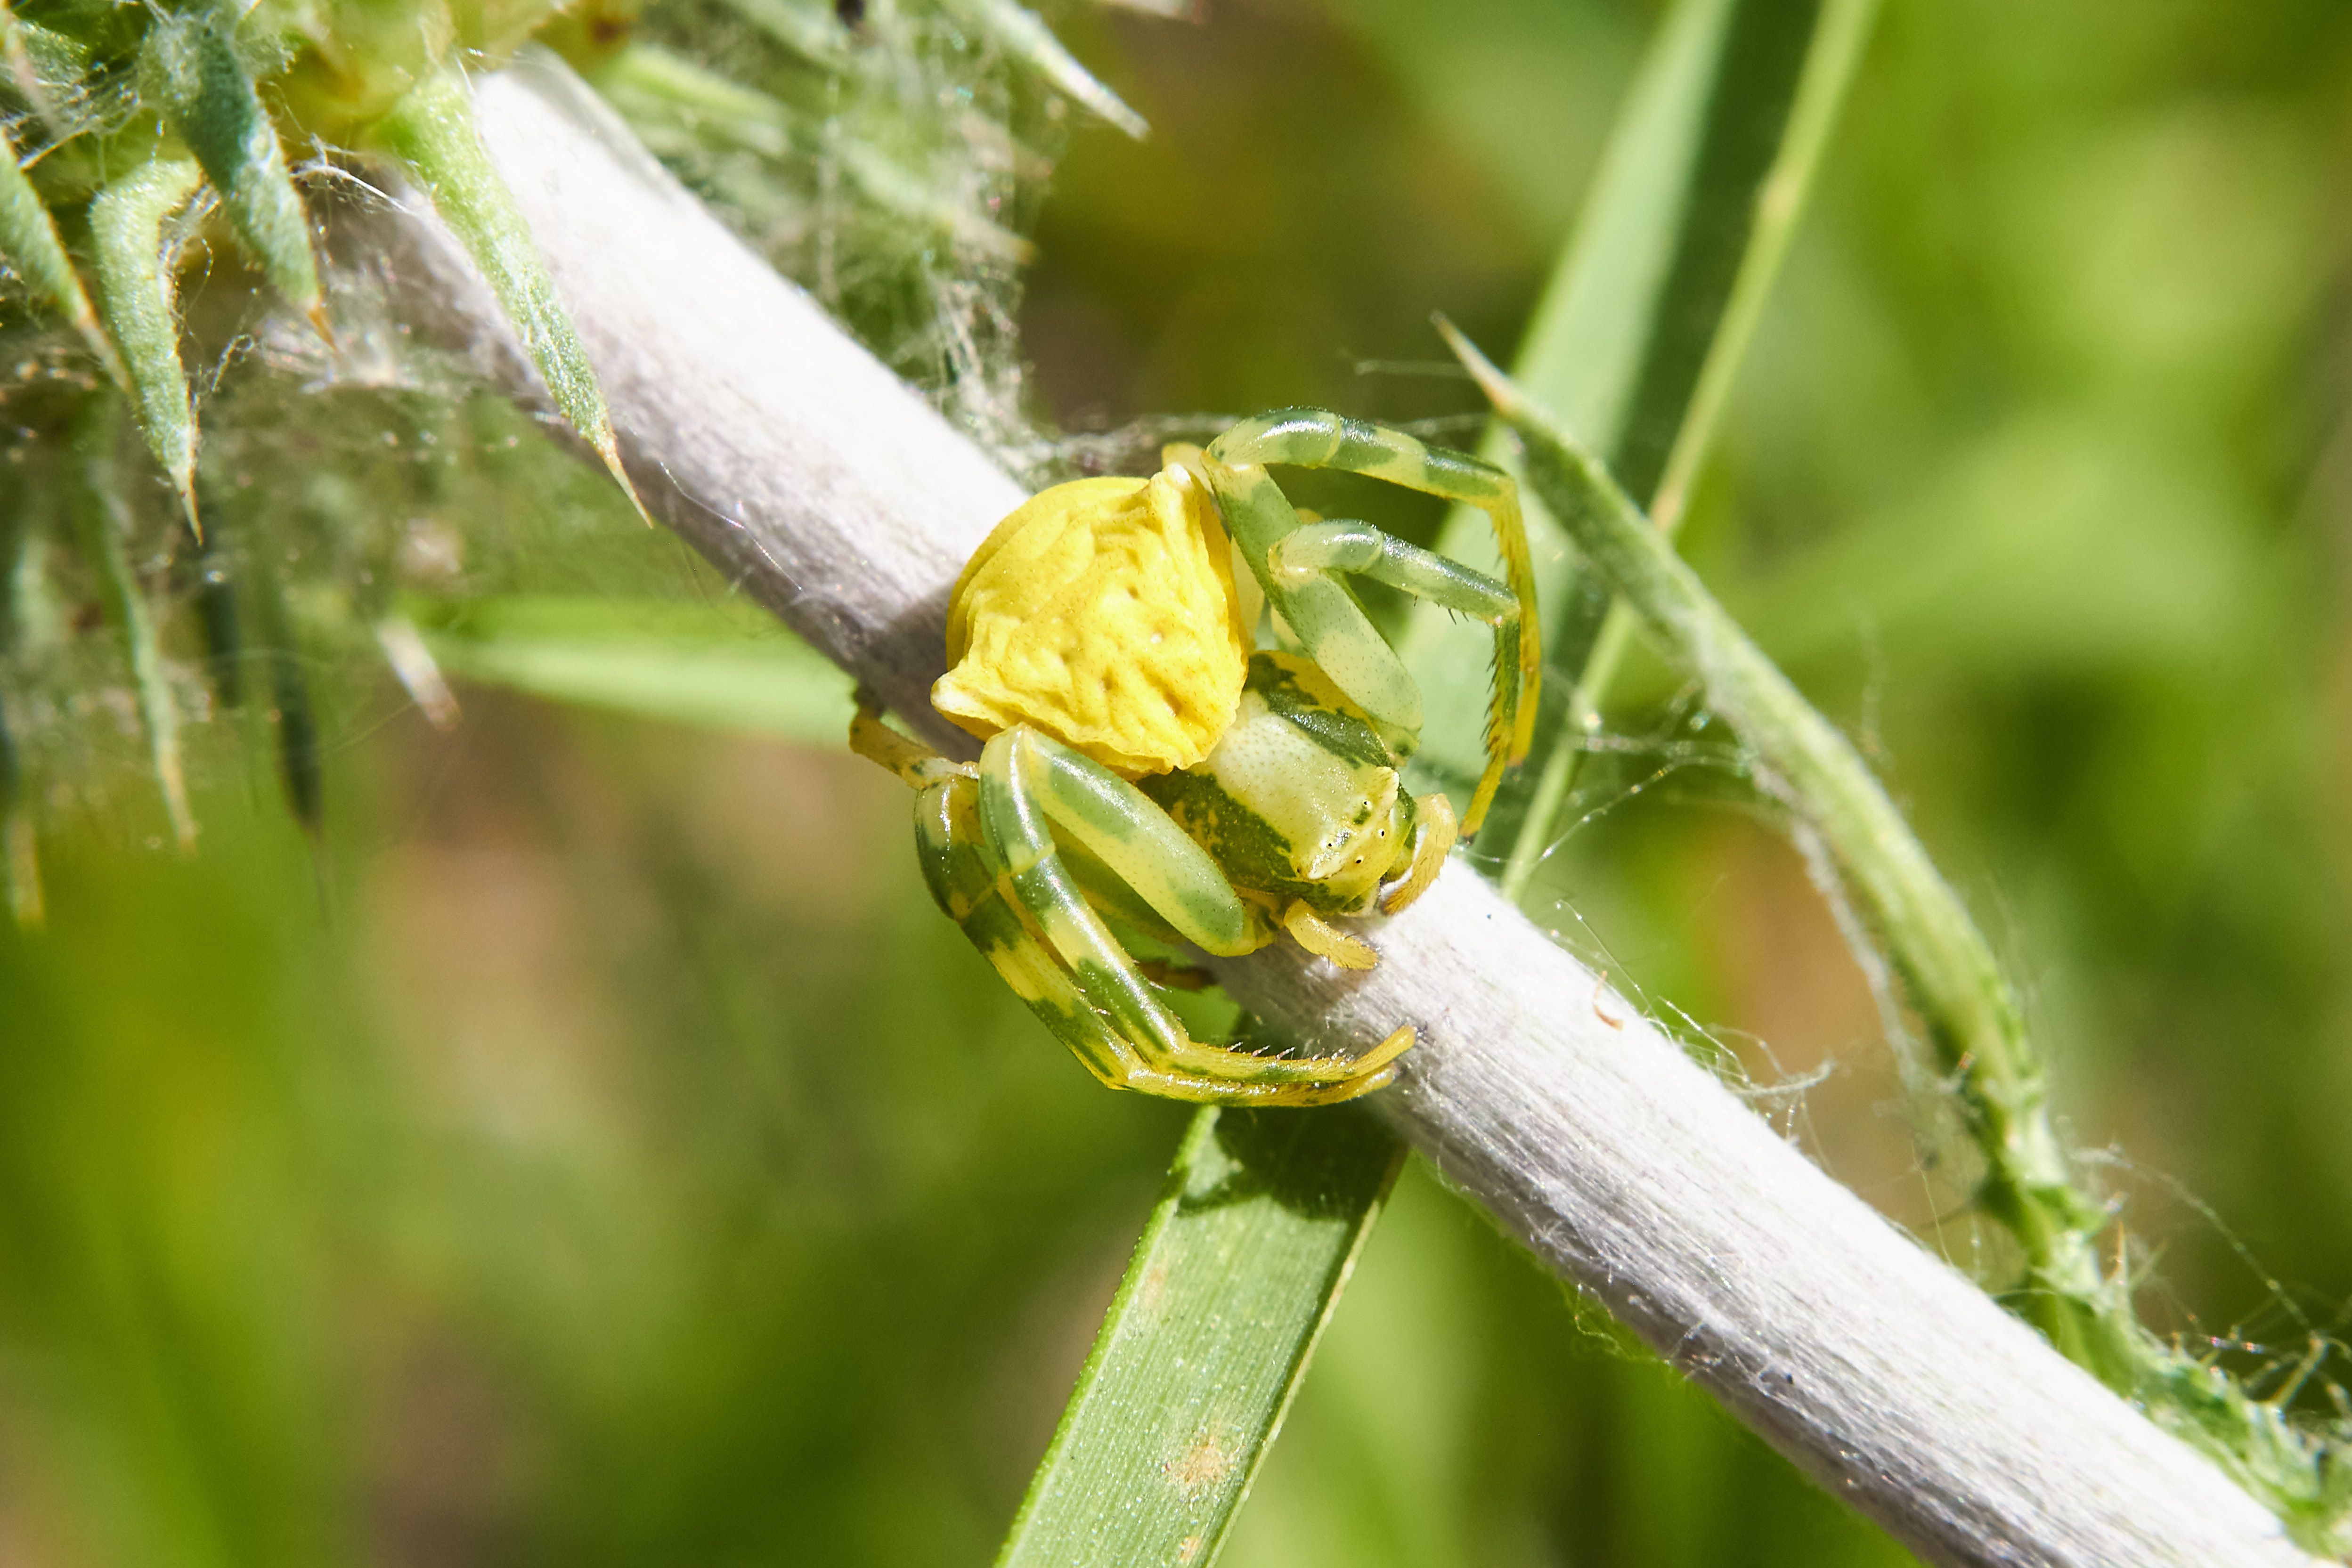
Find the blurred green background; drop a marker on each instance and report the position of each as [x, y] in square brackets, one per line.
[600, 1150]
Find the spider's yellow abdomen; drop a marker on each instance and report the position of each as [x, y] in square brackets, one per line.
[1102, 613]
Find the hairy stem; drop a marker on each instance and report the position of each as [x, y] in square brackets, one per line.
[1971, 1017]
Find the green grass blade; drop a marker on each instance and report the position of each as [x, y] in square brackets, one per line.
[137, 297]
[722, 667]
[1207, 1340]
[102, 521]
[213, 107]
[1640, 331]
[30, 248]
[431, 132]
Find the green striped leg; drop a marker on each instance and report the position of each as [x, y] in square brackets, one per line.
[1026, 780]
[1349, 546]
[948, 839]
[1328, 623]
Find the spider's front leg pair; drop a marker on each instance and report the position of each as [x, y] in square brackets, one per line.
[1300, 564]
[993, 864]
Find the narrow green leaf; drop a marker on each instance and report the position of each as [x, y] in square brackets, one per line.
[719, 667]
[237, 552]
[20, 866]
[29, 247]
[138, 297]
[1023, 33]
[431, 132]
[300, 767]
[1640, 333]
[212, 106]
[217, 614]
[1207, 1338]
[102, 520]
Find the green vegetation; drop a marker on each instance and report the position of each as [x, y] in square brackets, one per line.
[576, 1136]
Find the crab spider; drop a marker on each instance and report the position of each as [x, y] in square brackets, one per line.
[1143, 762]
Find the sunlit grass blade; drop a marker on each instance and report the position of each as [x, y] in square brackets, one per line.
[1023, 33]
[213, 107]
[29, 247]
[1640, 331]
[137, 295]
[431, 132]
[723, 667]
[1972, 1018]
[1207, 1339]
[102, 523]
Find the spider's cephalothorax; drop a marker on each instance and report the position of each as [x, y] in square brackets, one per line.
[1144, 762]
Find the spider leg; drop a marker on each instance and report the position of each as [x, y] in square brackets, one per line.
[1123, 830]
[1364, 550]
[1119, 1024]
[1325, 616]
[949, 842]
[917, 765]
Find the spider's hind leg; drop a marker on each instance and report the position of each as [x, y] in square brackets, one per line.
[994, 868]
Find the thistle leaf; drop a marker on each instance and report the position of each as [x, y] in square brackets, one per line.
[430, 132]
[137, 298]
[1023, 33]
[103, 520]
[29, 247]
[213, 107]
[22, 47]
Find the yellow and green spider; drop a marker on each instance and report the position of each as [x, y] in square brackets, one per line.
[1145, 761]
